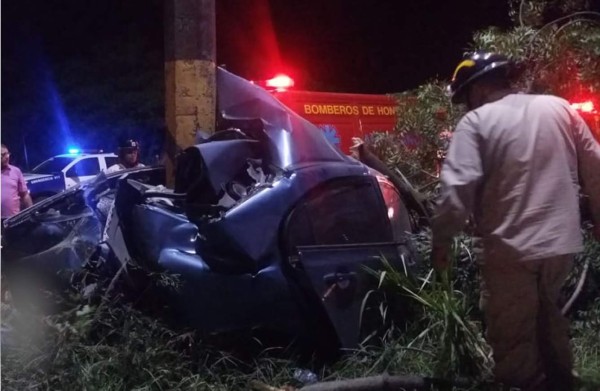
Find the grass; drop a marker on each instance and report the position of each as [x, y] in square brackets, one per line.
[112, 344]
[124, 350]
[586, 345]
[460, 349]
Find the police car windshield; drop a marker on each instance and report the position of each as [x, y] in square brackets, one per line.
[53, 165]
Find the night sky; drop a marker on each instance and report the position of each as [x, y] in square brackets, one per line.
[86, 71]
[349, 45]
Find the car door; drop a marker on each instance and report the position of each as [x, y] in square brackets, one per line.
[82, 170]
[332, 236]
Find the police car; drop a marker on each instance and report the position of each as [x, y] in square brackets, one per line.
[64, 171]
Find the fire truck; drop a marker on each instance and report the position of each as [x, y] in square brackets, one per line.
[341, 116]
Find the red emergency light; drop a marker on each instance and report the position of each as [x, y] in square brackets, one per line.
[280, 82]
[584, 107]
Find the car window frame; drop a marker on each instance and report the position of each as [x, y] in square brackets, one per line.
[72, 167]
[106, 161]
[332, 186]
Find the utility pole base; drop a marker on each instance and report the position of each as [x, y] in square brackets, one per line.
[190, 75]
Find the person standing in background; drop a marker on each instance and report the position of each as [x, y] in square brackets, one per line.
[14, 188]
[129, 156]
[14, 195]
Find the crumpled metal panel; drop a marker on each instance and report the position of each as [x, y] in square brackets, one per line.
[53, 246]
[296, 140]
[61, 232]
[232, 250]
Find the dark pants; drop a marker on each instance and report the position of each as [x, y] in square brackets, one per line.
[528, 334]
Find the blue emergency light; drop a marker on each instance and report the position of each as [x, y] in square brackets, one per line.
[74, 151]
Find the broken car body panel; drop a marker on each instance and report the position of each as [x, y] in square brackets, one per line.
[268, 225]
[296, 140]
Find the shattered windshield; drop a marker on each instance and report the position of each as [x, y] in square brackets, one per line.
[53, 165]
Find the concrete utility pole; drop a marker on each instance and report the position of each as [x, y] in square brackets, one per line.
[190, 74]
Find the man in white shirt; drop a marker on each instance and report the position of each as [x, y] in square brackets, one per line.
[129, 155]
[516, 163]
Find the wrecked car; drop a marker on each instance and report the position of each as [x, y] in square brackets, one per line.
[268, 225]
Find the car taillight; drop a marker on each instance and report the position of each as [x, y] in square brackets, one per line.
[396, 210]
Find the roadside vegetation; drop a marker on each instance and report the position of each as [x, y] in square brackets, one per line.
[109, 340]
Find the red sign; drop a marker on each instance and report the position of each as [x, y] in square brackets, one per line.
[343, 116]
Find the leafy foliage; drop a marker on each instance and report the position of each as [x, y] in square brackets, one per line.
[563, 60]
[556, 45]
[585, 331]
[425, 118]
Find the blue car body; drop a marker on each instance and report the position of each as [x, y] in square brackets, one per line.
[269, 225]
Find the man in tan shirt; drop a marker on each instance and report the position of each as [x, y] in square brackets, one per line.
[516, 163]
